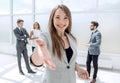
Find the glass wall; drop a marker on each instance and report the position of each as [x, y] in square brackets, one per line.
[5, 28]
[4, 7]
[109, 5]
[22, 6]
[43, 21]
[110, 28]
[45, 6]
[81, 5]
[106, 12]
[5, 22]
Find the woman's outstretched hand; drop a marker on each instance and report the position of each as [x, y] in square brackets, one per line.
[43, 52]
[82, 73]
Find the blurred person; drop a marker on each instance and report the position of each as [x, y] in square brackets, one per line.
[21, 37]
[93, 49]
[35, 34]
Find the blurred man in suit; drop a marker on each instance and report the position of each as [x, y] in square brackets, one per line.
[93, 49]
[21, 37]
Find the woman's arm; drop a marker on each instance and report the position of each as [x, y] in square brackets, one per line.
[42, 55]
[31, 36]
[36, 60]
[81, 72]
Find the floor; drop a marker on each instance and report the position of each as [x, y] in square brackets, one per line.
[9, 73]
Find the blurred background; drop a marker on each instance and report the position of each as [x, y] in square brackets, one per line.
[106, 12]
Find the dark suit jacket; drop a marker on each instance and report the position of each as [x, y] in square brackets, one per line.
[95, 42]
[21, 36]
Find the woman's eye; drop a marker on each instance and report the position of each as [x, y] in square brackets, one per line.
[66, 18]
[57, 17]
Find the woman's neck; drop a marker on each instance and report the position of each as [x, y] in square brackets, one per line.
[61, 34]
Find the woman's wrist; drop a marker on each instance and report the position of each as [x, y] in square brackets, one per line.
[31, 61]
[76, 66]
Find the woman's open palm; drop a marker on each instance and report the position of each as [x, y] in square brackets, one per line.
[44, 54]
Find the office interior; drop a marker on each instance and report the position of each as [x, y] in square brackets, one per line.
[105, 12]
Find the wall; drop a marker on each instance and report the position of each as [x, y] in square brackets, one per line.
[106, 12]
[106, 60]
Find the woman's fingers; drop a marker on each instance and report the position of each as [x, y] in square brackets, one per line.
[39, 42]
[87, 76]
[83, 74]
[45, 55]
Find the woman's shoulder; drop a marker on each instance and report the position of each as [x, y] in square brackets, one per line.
[71, 36]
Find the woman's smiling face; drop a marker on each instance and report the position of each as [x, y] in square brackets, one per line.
[60, 21]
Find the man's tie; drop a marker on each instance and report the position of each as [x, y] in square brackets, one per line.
[21, 31]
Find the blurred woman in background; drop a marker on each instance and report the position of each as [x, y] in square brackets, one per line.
[35, 34]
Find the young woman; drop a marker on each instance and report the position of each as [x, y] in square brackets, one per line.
[57, 49]
[35, 34]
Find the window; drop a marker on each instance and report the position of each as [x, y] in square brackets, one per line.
[110, 28]
[45, 6]
[43, 21]
[81, 5]
[4, 7]
[109, 5]
[22, 6]
[5, 28]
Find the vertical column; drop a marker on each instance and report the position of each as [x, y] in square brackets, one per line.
[33, 9]
[11, 19]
